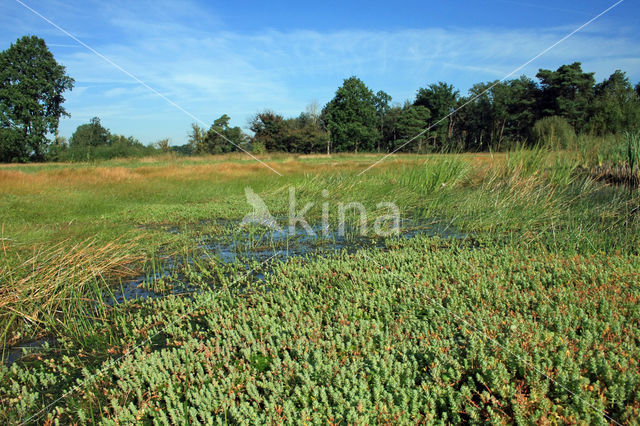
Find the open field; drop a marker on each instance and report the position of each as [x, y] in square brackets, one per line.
[514, 299]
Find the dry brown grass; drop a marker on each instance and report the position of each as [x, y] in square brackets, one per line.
[209, 167]
[617, 174]
[16, 181]
[54, 280]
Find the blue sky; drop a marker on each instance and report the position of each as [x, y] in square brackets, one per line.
[238, 58]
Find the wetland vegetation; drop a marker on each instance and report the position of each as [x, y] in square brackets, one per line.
[514, 298]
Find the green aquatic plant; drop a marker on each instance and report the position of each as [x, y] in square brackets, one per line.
[432, 330]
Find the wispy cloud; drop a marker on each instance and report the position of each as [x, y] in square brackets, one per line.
[210, 69]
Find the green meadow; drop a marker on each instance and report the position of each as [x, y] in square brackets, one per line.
[519, 305]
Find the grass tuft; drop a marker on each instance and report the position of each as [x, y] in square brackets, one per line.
[56, 289]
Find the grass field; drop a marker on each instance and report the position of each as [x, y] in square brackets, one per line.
[521, 306]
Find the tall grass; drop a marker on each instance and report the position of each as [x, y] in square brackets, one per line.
[609, 149]
[522, 163]
[633, 149]
[563, 172]
[614, 159]
[434, 174]
[59, 288]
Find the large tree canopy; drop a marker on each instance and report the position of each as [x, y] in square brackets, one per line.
[616, 106]
[269, 130]
[441, 100]
[90, 134]
[220, 138]
[567, 92]
[411, 124]
[382, 100]
[32, 84]
[352, 117]
[497, 112]
[303, 134]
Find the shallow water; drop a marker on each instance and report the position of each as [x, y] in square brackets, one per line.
[229, 242]
[283, 244]
[246, 246]
[14, 353]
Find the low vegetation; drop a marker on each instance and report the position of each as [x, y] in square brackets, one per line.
[529, 314]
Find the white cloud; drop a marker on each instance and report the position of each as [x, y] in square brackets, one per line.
[209, 70]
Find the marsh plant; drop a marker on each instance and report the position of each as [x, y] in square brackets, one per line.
[534, 320]
[384, 225]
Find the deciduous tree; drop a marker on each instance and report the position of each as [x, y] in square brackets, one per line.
[90, 134]
[32, 85]
[196, 137]
[382, 100]
[616, 105]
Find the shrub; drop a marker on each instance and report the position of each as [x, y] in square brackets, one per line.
[257, 147]
[554, 132]
[163, 145]
[105, 152]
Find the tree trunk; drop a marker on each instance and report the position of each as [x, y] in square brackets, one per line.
[381, 133]
[501, 132]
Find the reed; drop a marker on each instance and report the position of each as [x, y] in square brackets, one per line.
[57, 288]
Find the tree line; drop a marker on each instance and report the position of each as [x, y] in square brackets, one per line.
[492, 116]
[92, 141]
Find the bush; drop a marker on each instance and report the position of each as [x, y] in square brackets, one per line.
[186, 149]
[105, 152]
[257, 147]
[163, 145]
[554, 132]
